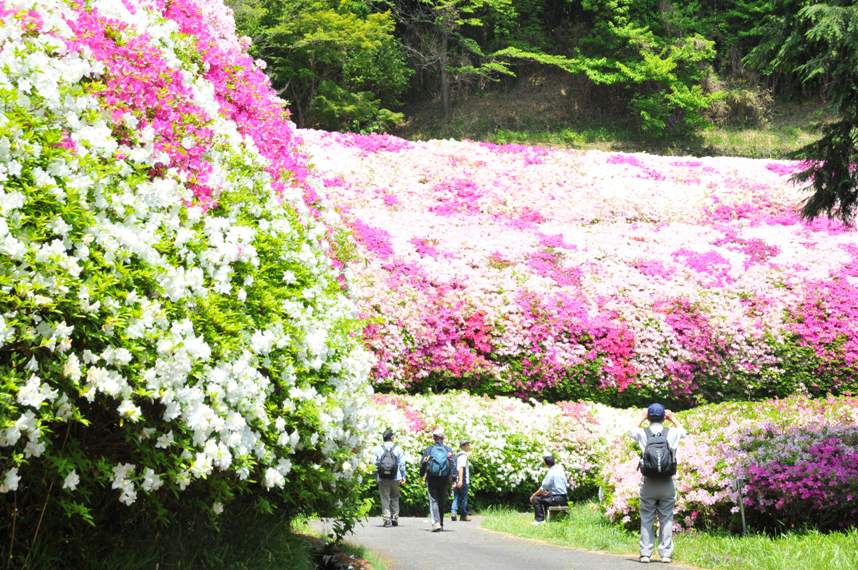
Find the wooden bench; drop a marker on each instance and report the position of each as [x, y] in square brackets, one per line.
[556, 511]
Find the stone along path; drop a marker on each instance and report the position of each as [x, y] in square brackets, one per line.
[411, 546]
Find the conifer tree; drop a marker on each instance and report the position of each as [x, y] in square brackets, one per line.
[819, 41]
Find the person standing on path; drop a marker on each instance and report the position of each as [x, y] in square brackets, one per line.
[437, 467]
[658, 446]
[390, 474]
[552, 492]
[463, 480]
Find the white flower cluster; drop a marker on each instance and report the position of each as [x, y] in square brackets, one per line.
[120, 294]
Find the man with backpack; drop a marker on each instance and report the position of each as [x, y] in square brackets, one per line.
[658, 446]
[390, 473]
[437, 467]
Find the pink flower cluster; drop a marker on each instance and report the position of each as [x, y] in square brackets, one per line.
[139, 83]
[244, 92]
[824, 483]
[592, 273]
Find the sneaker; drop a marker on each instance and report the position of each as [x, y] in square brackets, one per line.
[463, 518]
[387, 524]
[644, 559]
[394, 523]
[436, 527]
[453, 518]
[536, 523]
[666, 559]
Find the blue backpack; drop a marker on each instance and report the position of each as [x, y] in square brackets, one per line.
[439, 461]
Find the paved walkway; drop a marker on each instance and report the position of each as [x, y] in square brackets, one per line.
[411, 546]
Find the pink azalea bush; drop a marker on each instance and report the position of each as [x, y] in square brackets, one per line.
[793, 459]
[822, 483]
[509, 269]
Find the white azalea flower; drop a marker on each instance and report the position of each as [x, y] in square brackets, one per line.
[71, 480]
[10, 481]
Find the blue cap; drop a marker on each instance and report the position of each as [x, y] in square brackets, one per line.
[655, 411]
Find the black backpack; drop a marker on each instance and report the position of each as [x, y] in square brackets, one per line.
[658, 461]
[388, 464]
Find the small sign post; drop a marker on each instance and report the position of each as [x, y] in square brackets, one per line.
[739, 484]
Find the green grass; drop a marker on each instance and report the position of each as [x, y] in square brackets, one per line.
[374, 561]
[587, 529]
[255, 547]
[752, 142]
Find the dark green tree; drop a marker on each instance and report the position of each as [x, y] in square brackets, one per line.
[336, 61]
[819, 42]
[437, 35]
[661, 75]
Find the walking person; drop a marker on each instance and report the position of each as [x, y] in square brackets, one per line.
[552, 492]
[437, 467]
[390, 474]
[658, 446]
[463, 480]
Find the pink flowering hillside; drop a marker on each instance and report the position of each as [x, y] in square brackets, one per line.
[516, 269]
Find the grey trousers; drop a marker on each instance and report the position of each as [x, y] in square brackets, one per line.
[389, 491]
[657, 499]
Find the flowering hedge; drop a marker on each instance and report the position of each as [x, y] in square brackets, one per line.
[618, 277]
[508, 439]
[795, 459]
[795, 456]
[170, 317]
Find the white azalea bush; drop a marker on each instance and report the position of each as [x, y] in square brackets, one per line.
[173, 329]
[509, 438]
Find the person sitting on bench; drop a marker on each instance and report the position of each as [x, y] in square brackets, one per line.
[552, 492]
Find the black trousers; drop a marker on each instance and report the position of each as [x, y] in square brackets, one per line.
[439, 496]
[542, 502]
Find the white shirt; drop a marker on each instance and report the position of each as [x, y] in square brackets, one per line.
[674, 434]
[462, 463]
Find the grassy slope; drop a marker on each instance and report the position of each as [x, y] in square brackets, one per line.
[544, 113]
[586, 528]
[257, 549]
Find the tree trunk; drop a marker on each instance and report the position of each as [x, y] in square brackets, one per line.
[445, 77]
